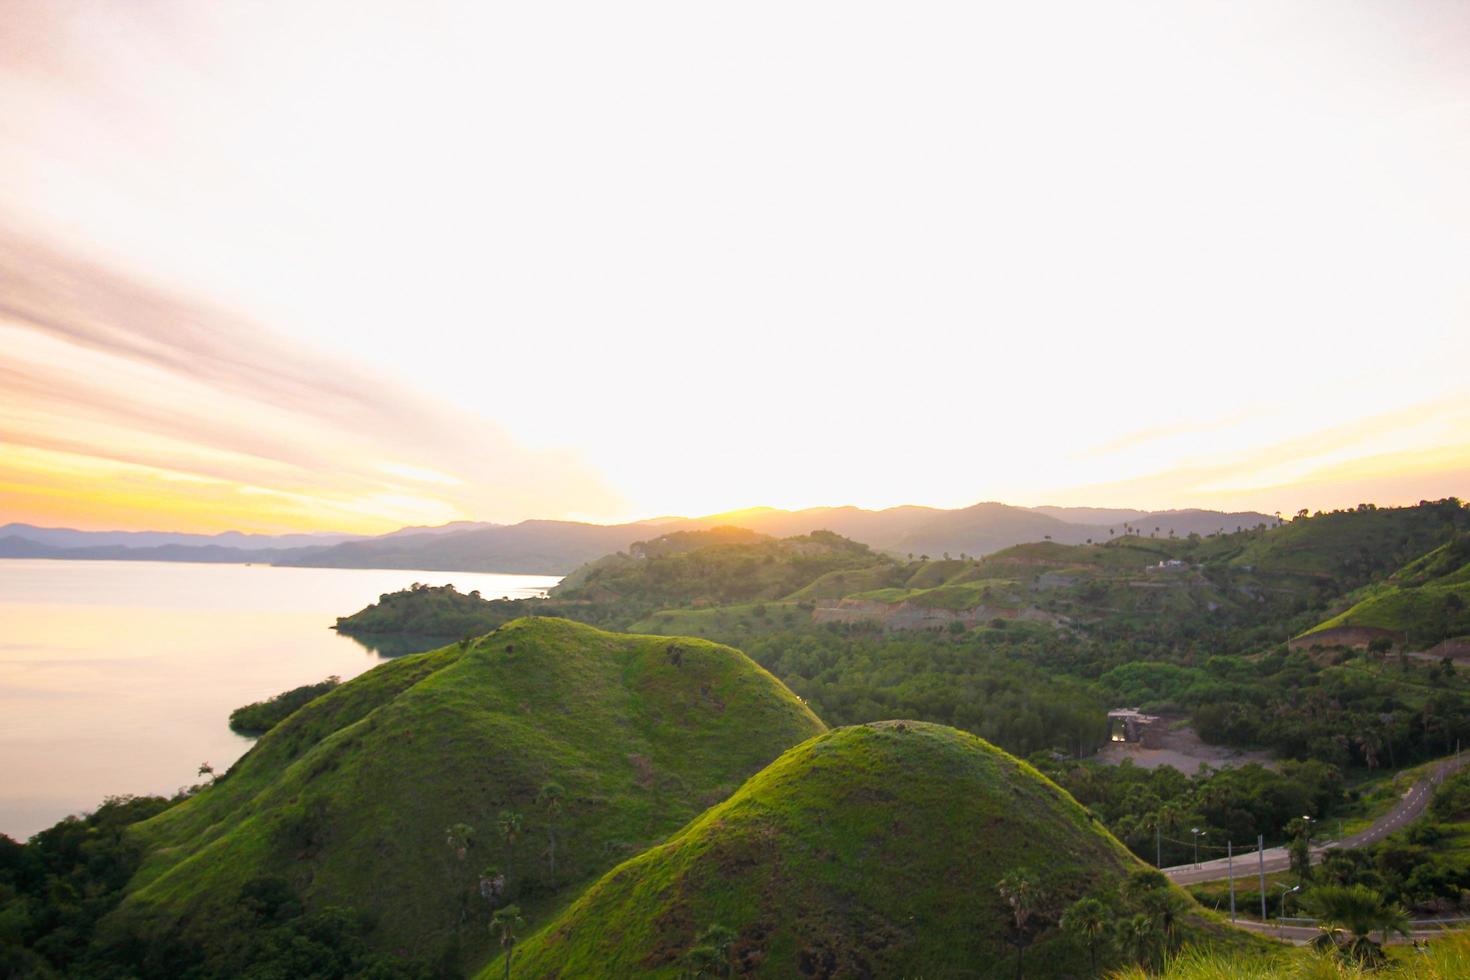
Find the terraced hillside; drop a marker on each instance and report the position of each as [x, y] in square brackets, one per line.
[391, 794]
[879, 850]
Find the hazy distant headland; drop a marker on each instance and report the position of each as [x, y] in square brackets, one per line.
[543, 547]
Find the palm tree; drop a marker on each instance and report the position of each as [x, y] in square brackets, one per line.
[1165, 908]
[458, 838]
[1349, 915]
[505, 923]
[550, 798]
[510, 827]
[1087, 918]
[1138, 938]
[1021, 892]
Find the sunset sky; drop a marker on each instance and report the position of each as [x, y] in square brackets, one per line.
[345, 265]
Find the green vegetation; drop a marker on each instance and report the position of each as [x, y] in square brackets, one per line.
[1154, 810]
[55, 889]
[356, 788]
[715, 567]
[511, 795]
[1423, 615]
[259, 717]
[1446, 958]
[427, 610]
[986, 683]
[896, 849]
[1426, 601]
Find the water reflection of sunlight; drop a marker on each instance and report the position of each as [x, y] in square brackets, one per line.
[119, 677]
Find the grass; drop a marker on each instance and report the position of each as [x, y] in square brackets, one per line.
[1425, 614]
[719, 620]
[844, 582]
[1446, 958]
[956, 596]
[1352, 543]
[873, 850]
[357, 789]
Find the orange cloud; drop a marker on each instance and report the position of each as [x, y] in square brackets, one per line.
[124, 406]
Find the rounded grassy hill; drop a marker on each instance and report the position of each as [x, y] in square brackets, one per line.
[392, 794]
[871, 851]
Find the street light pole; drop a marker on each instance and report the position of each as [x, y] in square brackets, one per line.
[1261, 858]
[1196, 832]
[1230, 873]
[1280, 912]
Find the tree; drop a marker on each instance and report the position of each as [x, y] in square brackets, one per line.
[505, 924]
[458, 838]
[1087, 919]
[1138, 939]
[1300, 852]
[510, 827]
[1020, 891]
[1348, 916]
[1370, 743]
[710, 956]
[205, 769]
[550, 799]
[1165, 909]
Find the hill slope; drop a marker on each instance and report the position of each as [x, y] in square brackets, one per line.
[348, 801]
[869, 851]
[1426, 601]
[715, 567]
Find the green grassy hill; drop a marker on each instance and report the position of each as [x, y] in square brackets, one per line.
[351, 800]
[876, 851]
[1349, 547]
[1426, 601]
[716, 567]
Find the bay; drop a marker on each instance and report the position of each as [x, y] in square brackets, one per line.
[119, 677]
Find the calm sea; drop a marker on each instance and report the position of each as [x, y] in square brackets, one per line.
[119, 677]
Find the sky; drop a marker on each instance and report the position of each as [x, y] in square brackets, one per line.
[333, 264]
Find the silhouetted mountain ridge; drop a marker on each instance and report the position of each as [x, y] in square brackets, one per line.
[547, 547]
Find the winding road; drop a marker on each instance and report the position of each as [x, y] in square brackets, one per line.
[1408, 809]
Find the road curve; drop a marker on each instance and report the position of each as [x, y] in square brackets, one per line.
[1408, 809]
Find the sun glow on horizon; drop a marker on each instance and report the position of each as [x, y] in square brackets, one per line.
[465, 262]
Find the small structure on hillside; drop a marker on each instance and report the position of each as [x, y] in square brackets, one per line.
[1169, 565]
[1132, 725]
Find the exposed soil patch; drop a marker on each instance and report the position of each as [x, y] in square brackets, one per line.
[1181, 748]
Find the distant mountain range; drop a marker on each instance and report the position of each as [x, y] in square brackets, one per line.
[557, 547]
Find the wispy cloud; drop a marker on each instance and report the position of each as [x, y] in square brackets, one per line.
[1420, 451]
[97, 366]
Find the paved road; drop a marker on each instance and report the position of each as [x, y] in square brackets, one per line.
[1406, 811]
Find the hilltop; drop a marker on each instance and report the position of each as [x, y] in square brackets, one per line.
[718, 566]
[876, 850]
[387, 794]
